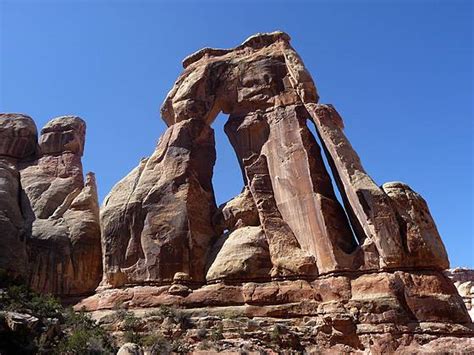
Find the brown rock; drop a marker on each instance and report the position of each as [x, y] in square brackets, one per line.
[64, 247]
[285, 252]
[63, 134]
[418, 230]
[369, 209]
[464, 282]
[432, 297]
[303, 190]
[18, 136]
[239, 255]
[158, 220]
[239, 212]
[49, 214]
[282, 249]
[13, 258]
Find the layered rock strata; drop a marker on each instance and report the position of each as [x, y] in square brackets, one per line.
[285, 247]
[366, 271]
[50, 214]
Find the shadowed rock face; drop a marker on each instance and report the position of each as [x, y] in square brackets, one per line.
[52, 231]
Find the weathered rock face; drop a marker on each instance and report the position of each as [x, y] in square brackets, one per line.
[284, 247]
[158, 220]
[269, 95]
[18, 136]
[367, 272]
[51, 233]
[418, 230]
[18, 140]
[464, 281]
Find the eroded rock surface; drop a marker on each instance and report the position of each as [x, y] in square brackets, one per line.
[463, 279]
[158, 220]
[362, 275]
[284, 247]
[418, 230]
[51, 233]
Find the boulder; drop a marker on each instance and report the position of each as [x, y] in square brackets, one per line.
[417, 227]
[18, 136]
[130, 349]
[240, 255]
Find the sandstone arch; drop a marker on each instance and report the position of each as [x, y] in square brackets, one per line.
[160, 220]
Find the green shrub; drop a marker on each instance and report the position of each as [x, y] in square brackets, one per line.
[157, 344]
[275, 334]
[84, 336]
[180, 347]
[216, 333]
[20, 298]
[131, 322]
[131, 336]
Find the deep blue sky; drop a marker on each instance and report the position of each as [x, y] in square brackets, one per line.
[399, 72]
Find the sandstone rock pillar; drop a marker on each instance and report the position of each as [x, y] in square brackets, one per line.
[368, 206]
[18, 140]
[62, 211]
[157, 221]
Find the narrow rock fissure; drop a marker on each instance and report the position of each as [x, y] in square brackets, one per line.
[337, 191]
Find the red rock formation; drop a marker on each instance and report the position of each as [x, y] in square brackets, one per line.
[367, 272]
[52, 212]
[284, 247]
[463, 279]
[158, 220]
[17, 141]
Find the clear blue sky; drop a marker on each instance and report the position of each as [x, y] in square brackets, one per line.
[399, 72]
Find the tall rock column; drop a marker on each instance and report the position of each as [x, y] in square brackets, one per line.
[252, 83]
[62, 212]
[303, 190]
[157, 221]
[368, 206]
[18, 140]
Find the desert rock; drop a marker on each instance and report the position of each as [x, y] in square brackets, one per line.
[52, 213]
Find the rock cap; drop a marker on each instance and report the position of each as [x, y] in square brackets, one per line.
[63, 134]
[256, 41]
[18, 135]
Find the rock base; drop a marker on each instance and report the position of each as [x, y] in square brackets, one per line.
[378, 311]
[163, 330]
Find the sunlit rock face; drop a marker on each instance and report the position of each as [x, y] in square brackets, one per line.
[463, 279]
[270, 98]
[51, 233]
[284, 247]
[364, 274]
